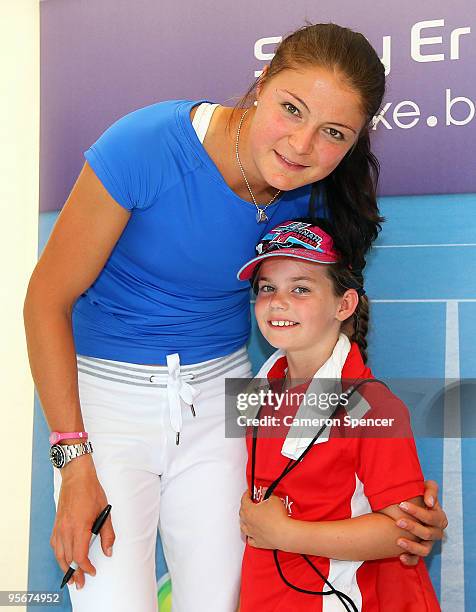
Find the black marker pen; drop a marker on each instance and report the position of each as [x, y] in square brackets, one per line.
[95, 529]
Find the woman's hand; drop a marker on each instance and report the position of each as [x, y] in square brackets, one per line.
[265, 523]
[426, 523]
[80, 502]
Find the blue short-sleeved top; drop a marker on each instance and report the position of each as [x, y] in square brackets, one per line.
[170, 283]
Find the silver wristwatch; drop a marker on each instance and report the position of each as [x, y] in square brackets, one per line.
[61, 454]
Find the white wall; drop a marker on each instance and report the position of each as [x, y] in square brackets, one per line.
[19, 160]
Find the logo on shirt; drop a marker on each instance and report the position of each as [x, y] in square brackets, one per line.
[259, 493]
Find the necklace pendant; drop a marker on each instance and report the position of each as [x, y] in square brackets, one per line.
[261, 216]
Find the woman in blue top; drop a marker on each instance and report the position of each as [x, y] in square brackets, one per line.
[134, 316]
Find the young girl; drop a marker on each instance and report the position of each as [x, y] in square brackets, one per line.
[325, 506]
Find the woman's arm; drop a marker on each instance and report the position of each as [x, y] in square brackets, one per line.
[366, 537]
[84, 235]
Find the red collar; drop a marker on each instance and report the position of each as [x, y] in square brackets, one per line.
[354, 366]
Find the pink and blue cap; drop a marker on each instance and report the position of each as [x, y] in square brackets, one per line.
[295, 239]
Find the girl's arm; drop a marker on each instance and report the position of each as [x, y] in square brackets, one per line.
[366, 537]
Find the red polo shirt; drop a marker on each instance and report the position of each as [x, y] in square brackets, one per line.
[345, 476]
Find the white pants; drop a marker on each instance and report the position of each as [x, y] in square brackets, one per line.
[190, 491]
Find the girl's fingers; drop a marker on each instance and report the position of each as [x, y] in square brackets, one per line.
[422, 549]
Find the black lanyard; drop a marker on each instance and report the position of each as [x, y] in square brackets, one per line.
[292, 464]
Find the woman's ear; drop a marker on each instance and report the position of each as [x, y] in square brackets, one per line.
[261, 81]
[348, 304]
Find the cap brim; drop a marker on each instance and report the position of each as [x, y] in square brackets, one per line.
[246, 272]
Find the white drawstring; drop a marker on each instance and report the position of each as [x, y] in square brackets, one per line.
[176, 381]
[178, 390]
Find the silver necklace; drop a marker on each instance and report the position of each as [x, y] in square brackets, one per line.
[261, 216]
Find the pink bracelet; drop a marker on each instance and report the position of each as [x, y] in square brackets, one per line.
[56, 436]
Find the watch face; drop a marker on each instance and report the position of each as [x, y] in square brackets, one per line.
[57, 456]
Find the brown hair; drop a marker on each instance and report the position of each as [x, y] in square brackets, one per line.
[349, 193]
[356, 326]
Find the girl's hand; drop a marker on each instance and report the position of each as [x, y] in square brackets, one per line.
[265, 523]
[426, 523]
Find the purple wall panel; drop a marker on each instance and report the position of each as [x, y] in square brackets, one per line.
[103, 58]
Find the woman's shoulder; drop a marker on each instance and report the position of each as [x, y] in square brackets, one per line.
[149, 119]
[137, 155]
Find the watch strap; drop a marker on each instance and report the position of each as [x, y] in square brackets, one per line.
[76, 450]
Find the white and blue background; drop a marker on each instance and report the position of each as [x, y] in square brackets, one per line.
[103, 58]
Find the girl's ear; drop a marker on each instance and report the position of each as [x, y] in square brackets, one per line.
[261, 81]
[348, 304]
